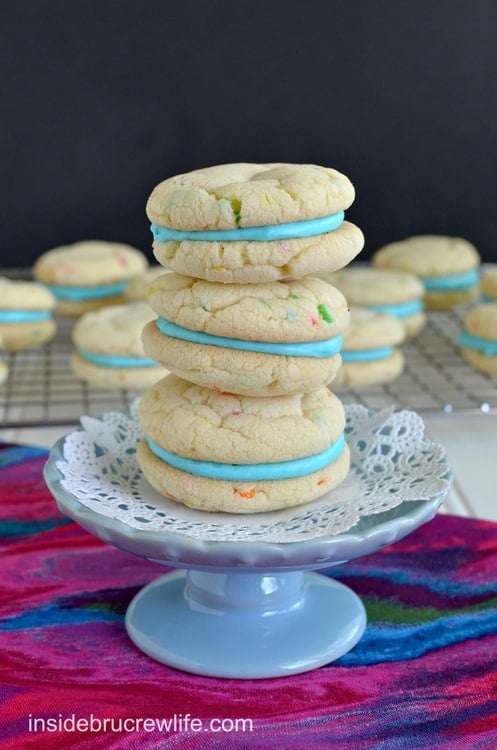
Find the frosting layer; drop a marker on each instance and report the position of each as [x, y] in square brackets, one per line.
[485, 346]
[367, 355]
[251, 472]
[115, 360]
[289, 231]
[456, 281]
[87, 292]
[24, 316]
[401, 309]
[317, 349]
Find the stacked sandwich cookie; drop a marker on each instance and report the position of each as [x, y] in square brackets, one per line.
[478, 338]
[382, 290]
[370, 354]
[449, 267]
[108, 348]
[26, 315]
[88, 275]
[246, 422]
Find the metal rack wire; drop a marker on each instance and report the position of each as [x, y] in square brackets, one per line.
[435, 377]
[42, 391]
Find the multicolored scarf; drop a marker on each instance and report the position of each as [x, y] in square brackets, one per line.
[424, 675]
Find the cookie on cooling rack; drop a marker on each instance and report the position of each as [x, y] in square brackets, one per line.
[220, 452]
[26, 315]
[488, 286]
[447, 266]
[109, 352]
[370, 355]
[253, 223]
[138, 287]
[383, 290]
[4, 371]
[253, 339]
[478, 339]
[88, 275]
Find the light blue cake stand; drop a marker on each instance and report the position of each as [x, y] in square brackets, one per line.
[244, 609]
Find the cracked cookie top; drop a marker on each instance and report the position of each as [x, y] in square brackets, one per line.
[305, 310]
[232, 196]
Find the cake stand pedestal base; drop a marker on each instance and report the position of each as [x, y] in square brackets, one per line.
[245, 625]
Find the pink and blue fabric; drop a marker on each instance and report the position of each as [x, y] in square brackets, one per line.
[424, 675]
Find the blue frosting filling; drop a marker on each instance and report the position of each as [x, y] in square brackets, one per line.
[485, 346]
[115, 360]
[291, 230]
[456, 281]
[318, 349]
[367, 355]
[400, 310]
[251, 472]
[487, 298]
[75, 293]
[24, 316]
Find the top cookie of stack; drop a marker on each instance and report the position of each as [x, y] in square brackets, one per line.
[252, 223]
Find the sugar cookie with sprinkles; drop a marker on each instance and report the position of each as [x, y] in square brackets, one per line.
[370, 355]
[138, 287]
[108, 348]
[488, 287]
[4, 371]
[251, 339]
[447, 266]
[253, 223]
[88, 275]
[478, 339]
[26, 315]
[238, 454]
[383, 290]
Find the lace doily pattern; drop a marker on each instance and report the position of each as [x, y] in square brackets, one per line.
[392, 462]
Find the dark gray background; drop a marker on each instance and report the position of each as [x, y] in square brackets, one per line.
[103, 99]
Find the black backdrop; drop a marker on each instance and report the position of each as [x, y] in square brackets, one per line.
[101, 99]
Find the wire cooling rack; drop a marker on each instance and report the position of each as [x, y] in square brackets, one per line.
[41, 389]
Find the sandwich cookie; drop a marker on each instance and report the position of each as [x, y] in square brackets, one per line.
[488, 287]
[253, 223]
[138, 287]
[109, 352]
[478, 339]
[26, 315]
[395, 292]
[4, 372]
[369, 355]
[88, 275]
[447, 266]
[238, 454]
[252, 339]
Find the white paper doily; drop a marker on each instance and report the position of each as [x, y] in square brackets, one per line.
[392, 461]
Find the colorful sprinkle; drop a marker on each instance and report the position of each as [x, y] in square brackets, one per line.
[236, 207]
[292, 315]
[204, 307]
[235, 413]
[314, 321]
[295, 296]
[325, 314]
[322, 481]
[244, 493]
